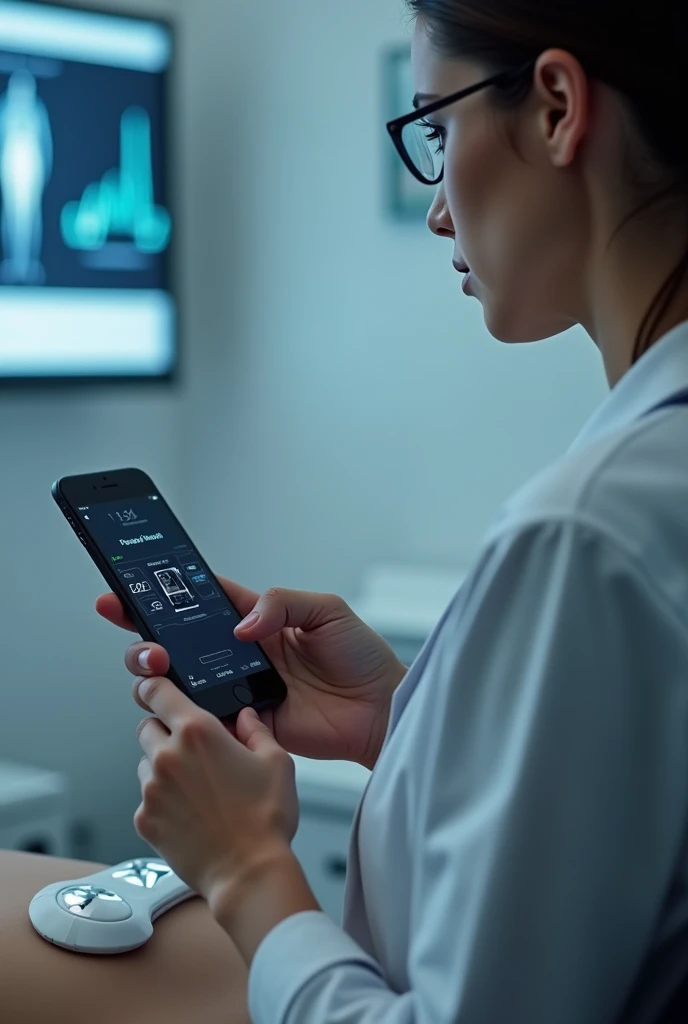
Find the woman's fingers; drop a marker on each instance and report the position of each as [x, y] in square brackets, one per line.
[112, 609]
[146, 659]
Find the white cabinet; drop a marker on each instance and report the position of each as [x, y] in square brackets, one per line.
[404, 603]
[321, 844]
[329, 793]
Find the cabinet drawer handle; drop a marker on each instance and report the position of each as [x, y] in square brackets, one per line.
[335, 866]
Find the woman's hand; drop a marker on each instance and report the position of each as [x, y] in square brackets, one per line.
[340, 674]
[221, 810]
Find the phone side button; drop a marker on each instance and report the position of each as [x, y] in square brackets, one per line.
[243, 694]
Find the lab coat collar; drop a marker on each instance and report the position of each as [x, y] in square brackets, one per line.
[658, 375]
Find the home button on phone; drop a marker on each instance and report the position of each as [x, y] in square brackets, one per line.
[243, 694]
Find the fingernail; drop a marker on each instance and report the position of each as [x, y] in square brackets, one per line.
[250, 620]
[143, 658]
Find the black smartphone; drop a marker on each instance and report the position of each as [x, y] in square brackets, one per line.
[169, 592]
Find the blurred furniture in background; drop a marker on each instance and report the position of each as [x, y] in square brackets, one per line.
[329, 793]
[403, 604]
[33, 810]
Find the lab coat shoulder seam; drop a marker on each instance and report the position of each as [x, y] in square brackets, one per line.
[578, 519]
[592, 479]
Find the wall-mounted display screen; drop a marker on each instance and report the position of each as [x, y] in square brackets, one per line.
[86, 224]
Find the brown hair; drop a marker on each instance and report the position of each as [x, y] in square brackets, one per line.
[636, 49]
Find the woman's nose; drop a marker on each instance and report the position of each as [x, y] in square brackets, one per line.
[439, 221]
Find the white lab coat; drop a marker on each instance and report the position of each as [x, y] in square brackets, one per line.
[520, 852]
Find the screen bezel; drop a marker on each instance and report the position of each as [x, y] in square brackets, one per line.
[70, 493]
[172, 377]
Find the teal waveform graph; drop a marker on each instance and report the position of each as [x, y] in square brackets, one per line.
[122, 202]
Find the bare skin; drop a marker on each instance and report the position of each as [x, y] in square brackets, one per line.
[189, 971]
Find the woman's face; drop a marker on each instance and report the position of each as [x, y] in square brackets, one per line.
[516, 211]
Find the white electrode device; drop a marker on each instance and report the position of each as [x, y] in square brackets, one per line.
[111, 911]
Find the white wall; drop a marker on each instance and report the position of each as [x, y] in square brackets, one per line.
[349, 403]
[342, 401]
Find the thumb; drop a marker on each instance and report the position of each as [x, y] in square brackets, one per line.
[278, 608]
[253, 733]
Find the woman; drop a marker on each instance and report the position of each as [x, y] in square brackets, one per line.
[520, 852]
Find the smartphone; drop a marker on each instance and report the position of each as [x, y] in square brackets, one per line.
[169, 593]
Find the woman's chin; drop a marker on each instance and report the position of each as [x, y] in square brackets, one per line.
[505, 328]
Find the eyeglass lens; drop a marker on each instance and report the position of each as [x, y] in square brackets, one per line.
[424, 146]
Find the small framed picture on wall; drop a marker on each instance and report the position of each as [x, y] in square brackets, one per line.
[405, 197]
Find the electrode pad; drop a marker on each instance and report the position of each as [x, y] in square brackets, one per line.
[111, 911]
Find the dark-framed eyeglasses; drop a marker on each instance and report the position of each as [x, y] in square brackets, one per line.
[421, 144]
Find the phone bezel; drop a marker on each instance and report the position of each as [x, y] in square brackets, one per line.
[71, 493]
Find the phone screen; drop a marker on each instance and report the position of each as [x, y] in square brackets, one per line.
[174, 592]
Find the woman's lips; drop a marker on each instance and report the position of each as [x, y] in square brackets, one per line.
[463, 269]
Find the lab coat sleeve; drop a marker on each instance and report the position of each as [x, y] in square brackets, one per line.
[551, 806]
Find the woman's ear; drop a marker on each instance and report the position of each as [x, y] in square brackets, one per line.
[563, 93]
